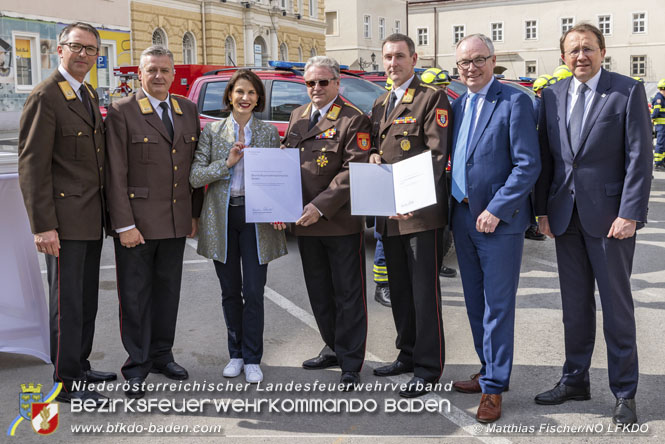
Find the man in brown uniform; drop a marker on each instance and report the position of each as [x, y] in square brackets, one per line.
[61, 161]
[411, 119]
[151, 138]
[331, 133]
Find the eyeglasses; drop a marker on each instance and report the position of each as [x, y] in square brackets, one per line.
[322, 83]
[478, 62]
[77, 47]
[586, 51]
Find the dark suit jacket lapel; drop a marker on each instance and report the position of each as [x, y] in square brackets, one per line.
[599, 101]
[561, 95]
[493, 95]
[458, 115]
[152, 118]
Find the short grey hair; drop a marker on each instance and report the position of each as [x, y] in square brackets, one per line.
[155, 50]
[482, 37]
[326, 62]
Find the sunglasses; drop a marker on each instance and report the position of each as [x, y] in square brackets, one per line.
[321, 83]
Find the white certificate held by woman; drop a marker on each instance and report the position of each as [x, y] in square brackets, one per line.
[273, 190]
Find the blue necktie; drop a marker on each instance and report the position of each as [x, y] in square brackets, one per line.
[459, 159]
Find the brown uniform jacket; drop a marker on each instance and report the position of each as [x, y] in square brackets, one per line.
[61, 161]
[148, 173]
[340, 137]
[420, 122]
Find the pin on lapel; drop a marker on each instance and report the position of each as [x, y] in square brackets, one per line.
[603, 95]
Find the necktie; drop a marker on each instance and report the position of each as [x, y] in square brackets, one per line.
[577, 118]
[165, 118]
[391, 103]
[85, 99]
[314, 119]
[459, 159]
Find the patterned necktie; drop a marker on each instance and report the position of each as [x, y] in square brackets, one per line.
[577, 118]
[314, 119]
[391, 103]
[85, 99]
[165, 118]
[459, 159]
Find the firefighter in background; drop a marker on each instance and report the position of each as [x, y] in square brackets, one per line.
[561, 72]
[658, 116]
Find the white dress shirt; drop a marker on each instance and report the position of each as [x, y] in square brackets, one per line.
[592, 83]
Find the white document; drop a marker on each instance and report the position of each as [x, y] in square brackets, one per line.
[387, 190]
[273, 190]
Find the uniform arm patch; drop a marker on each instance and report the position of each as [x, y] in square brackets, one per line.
[363, 141]
[442, 117]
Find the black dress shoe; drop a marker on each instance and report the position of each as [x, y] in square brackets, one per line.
[415, 387]
[382, 294]
[136, 388]
[171, 371]
[83, 395]
[393, 369]
[447, 272]
[625, 412]
[320, 362]
[533, 234]
[562, 393]
[348, 380]
[97, 376]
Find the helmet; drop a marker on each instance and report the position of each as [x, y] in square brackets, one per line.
[639, 79]
[561, 72]
[661, 84]
[389, 84]
[541, 82]
[435, 76]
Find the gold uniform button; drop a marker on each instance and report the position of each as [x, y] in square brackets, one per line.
[145, 139]
[381, 153]
[173, 200]
[175, 185]
[383, 136]
[95, 131]
[131, 195]
[100, 168]
[80, 133]
[323, 150]
[302, 149]
[62, 194]
[175, 168]
[193, 138]
[174, 151]
[406, 133]
[99, 149]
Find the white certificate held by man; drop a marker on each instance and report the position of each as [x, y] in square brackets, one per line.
[273, 191]
[387, 190]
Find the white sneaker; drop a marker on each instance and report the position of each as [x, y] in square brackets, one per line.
[253, 373]
[233, 368]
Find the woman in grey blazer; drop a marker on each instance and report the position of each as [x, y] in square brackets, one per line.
[224, 236]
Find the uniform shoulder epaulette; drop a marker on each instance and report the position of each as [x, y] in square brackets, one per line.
[354, 107]
[428, 86]
[179, 95]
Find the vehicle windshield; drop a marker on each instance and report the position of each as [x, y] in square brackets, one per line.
[457, 87]
[360, 93]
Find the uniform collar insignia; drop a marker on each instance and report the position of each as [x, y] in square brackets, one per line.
[67, 90]
[146, 107]
[176, 106]
[333, 113]
[408, 95]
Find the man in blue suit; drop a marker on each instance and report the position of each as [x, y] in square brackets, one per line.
[595, 141]
[494, 167]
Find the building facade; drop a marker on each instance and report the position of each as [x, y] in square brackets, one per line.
[355, 30]
[526, 33]
[230, 32]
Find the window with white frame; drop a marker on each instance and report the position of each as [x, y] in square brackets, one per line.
[605, 24]
[188, 49]
[639, 22]
[607, 64]
[313, 6]
[423, 36]
[530, 67]
[367, 26]
[459, 31]
[398, 26]
[27, 60]
[331, 23]
[638, 65]
[159, 37]
[382, 28]
[497, 31]
[531, 29]
[283, 4]
[566, 24]
[230, 51]
[105, 77]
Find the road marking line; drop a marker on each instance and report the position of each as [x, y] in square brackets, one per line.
[111, 267]
[544, 262]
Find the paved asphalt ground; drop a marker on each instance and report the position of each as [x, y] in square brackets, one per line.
[291, 337]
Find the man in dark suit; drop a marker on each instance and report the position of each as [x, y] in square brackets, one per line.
[411, 119]
[151, 139]
[61, 173]
[592, 195]
[495, 164]
[330, 134]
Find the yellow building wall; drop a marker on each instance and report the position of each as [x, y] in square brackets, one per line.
[122, 46]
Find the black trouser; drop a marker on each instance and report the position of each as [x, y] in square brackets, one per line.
[334, 268]
[148, 279]
[242, 288]
[413, 262]
[73, 280]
